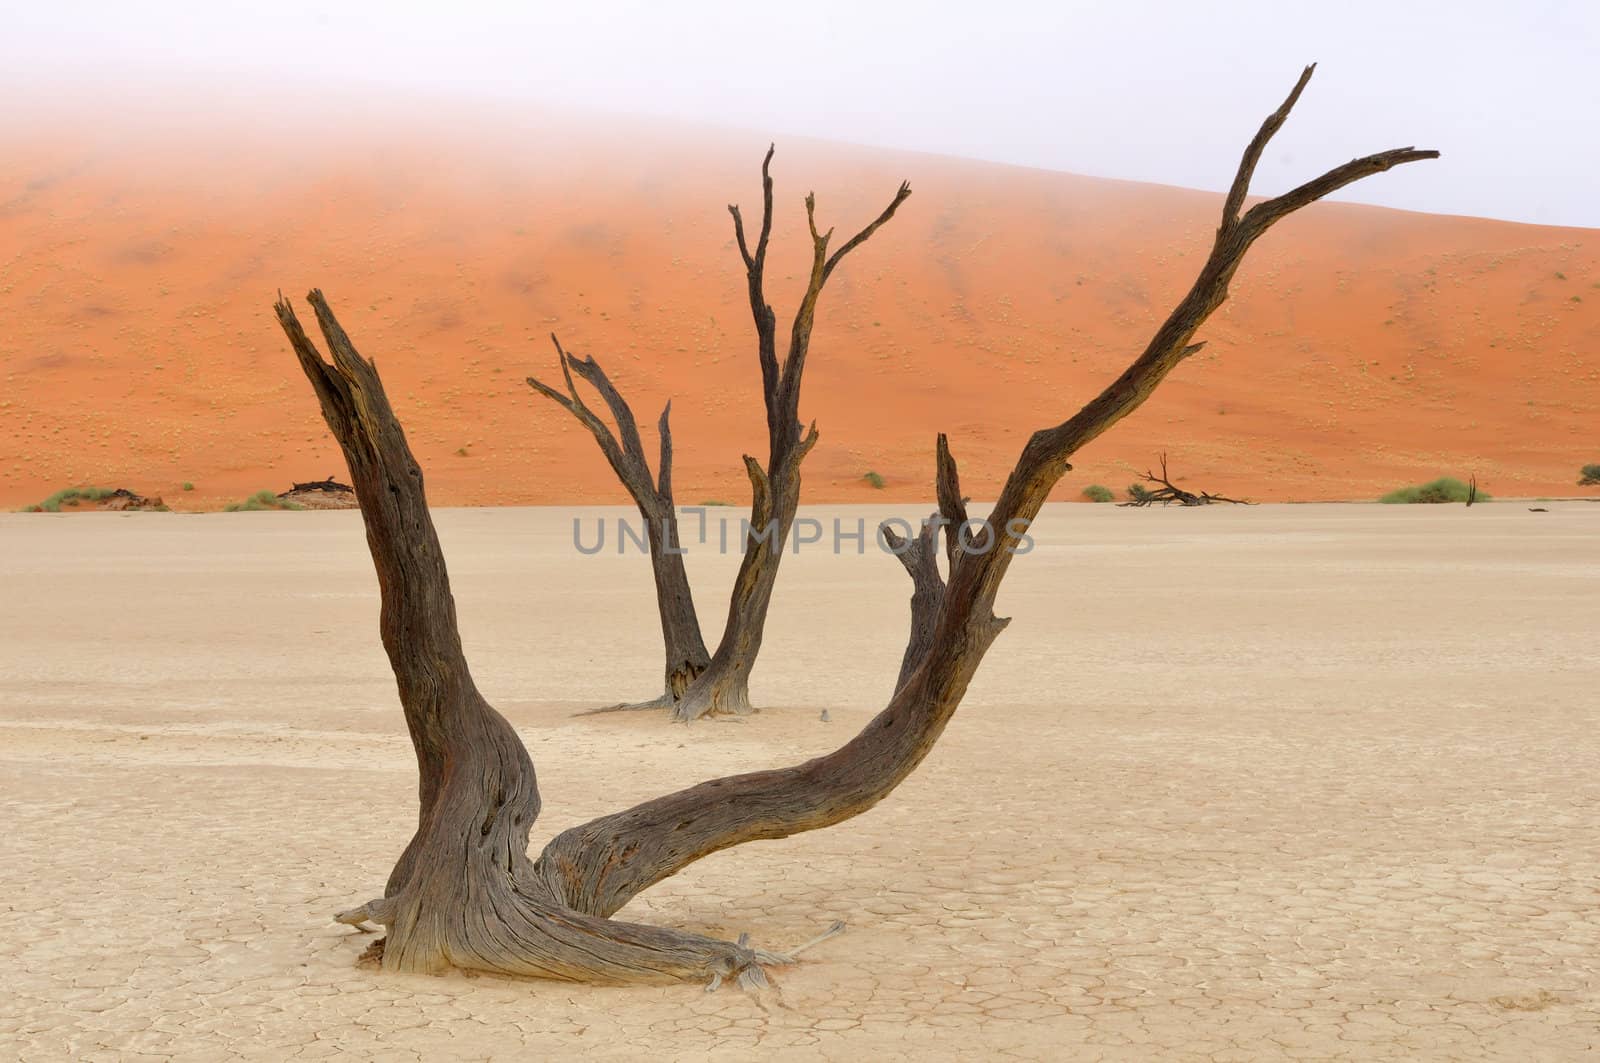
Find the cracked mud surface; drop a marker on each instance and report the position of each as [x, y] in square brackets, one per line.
[1328, 786]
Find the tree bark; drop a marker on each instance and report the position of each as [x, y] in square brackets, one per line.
[463, 892]
[920, 556]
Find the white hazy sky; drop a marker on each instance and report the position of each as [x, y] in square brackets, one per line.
[1509, 90]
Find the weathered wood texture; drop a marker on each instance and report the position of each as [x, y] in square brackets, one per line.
[462, 893]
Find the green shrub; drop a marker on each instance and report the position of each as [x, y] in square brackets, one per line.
[187, 486]
[874, 480]
[1589, 476]
[1444, 489]
[70, 496]
[259, 501]
[1138, 492]
[1099, 493]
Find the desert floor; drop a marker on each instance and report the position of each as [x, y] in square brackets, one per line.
[1281, 782]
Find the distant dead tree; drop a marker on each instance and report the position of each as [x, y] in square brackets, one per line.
[464, 892]
[700, 684]
[1167, 492]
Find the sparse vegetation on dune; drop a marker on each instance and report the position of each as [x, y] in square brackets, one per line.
[118, 498]
[1099, 493]
[1444, 489]
[872, 479]
[261, 500]
[1589, 475]
[70, 496]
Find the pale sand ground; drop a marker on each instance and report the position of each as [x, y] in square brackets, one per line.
[1287, 782]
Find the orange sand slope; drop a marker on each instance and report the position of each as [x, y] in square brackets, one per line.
[1362, 348]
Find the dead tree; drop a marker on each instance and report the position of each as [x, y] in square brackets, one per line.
[1168, 492]
[464, 892]
[686, 655]
[697, 684]
[724, 687]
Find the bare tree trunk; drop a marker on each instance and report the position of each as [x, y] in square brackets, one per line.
[464, 893]
[698, 685]
[686, 655]
[724, 687]
[680, 627]
[920, 556]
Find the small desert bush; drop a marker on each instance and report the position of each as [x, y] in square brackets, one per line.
[187, 486]
[715, 502]
[259, 501]
[1589, 476]
[70, 496]
[873, 480]
[1099, 493]
[1444, 489]
[1138, 492]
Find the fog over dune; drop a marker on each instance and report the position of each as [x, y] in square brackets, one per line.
[1361, 349]
[1151, 91]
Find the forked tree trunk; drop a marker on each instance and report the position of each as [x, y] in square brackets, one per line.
[724, 687]
[464, 893]
[685, 648]
[696, 685]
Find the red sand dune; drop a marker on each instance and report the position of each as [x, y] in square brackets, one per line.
[1362, 348]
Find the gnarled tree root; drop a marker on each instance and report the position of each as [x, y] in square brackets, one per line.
[729, 696]
[508, 932]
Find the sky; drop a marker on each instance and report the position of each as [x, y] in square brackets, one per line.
[1166, 92]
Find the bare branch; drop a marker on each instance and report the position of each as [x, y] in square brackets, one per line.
[755, 281]
[920, 557]
[1265, 213]
[861, 237]
[1169, 492]
[552, 394]
[626, 457]
[952, 507]
[756, 260]
[766, 204]
[621, 412]
[1048, 450]
[664, 468]
[1252, 153]
[822, 266]
[760, 492]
